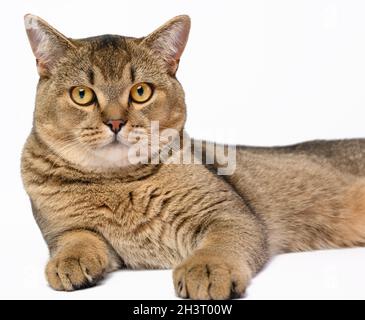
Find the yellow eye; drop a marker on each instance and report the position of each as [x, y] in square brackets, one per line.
[141, 92]
[83, 96]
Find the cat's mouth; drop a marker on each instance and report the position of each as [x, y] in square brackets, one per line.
[115, 143]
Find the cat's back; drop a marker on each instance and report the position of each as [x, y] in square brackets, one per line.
[347, 156]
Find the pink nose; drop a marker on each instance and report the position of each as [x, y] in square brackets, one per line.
[115, 125]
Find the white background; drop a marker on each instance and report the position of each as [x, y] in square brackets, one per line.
[255, 72]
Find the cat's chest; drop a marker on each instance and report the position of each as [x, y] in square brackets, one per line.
[140, 219]
[136, 219]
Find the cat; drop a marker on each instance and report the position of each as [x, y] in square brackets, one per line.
[99, 213]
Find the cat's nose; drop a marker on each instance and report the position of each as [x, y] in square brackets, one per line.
[115, 125]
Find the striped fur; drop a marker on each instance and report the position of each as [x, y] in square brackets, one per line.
[98, 214]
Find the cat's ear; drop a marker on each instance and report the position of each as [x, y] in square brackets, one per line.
[47, 43]
[169, 40]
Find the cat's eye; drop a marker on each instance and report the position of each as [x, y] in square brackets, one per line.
[83, 96]
[141, 92]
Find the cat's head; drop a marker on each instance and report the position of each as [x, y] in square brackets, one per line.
[94, 94]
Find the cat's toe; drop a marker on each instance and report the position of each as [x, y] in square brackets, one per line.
[205, 280]
[68, 273]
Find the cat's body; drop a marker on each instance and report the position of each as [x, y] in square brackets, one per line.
[309, 196]
[216, 231]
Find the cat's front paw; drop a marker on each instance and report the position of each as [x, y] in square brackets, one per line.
[76, 269]
[206, 278]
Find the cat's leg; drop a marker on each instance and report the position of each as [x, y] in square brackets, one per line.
[79, 259]
[231, 249]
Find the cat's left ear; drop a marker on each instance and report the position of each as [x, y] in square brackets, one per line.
[48, 44]
[169, 41]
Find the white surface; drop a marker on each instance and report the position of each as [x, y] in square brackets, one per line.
[255, 72]
[337, 274]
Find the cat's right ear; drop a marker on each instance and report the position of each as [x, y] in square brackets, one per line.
[47, 43]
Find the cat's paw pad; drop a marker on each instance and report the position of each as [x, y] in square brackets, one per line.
[215, 279]
[73, 271]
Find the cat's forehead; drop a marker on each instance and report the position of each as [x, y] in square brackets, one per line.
[108, 54]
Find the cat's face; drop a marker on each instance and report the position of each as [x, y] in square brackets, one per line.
[96, 95]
